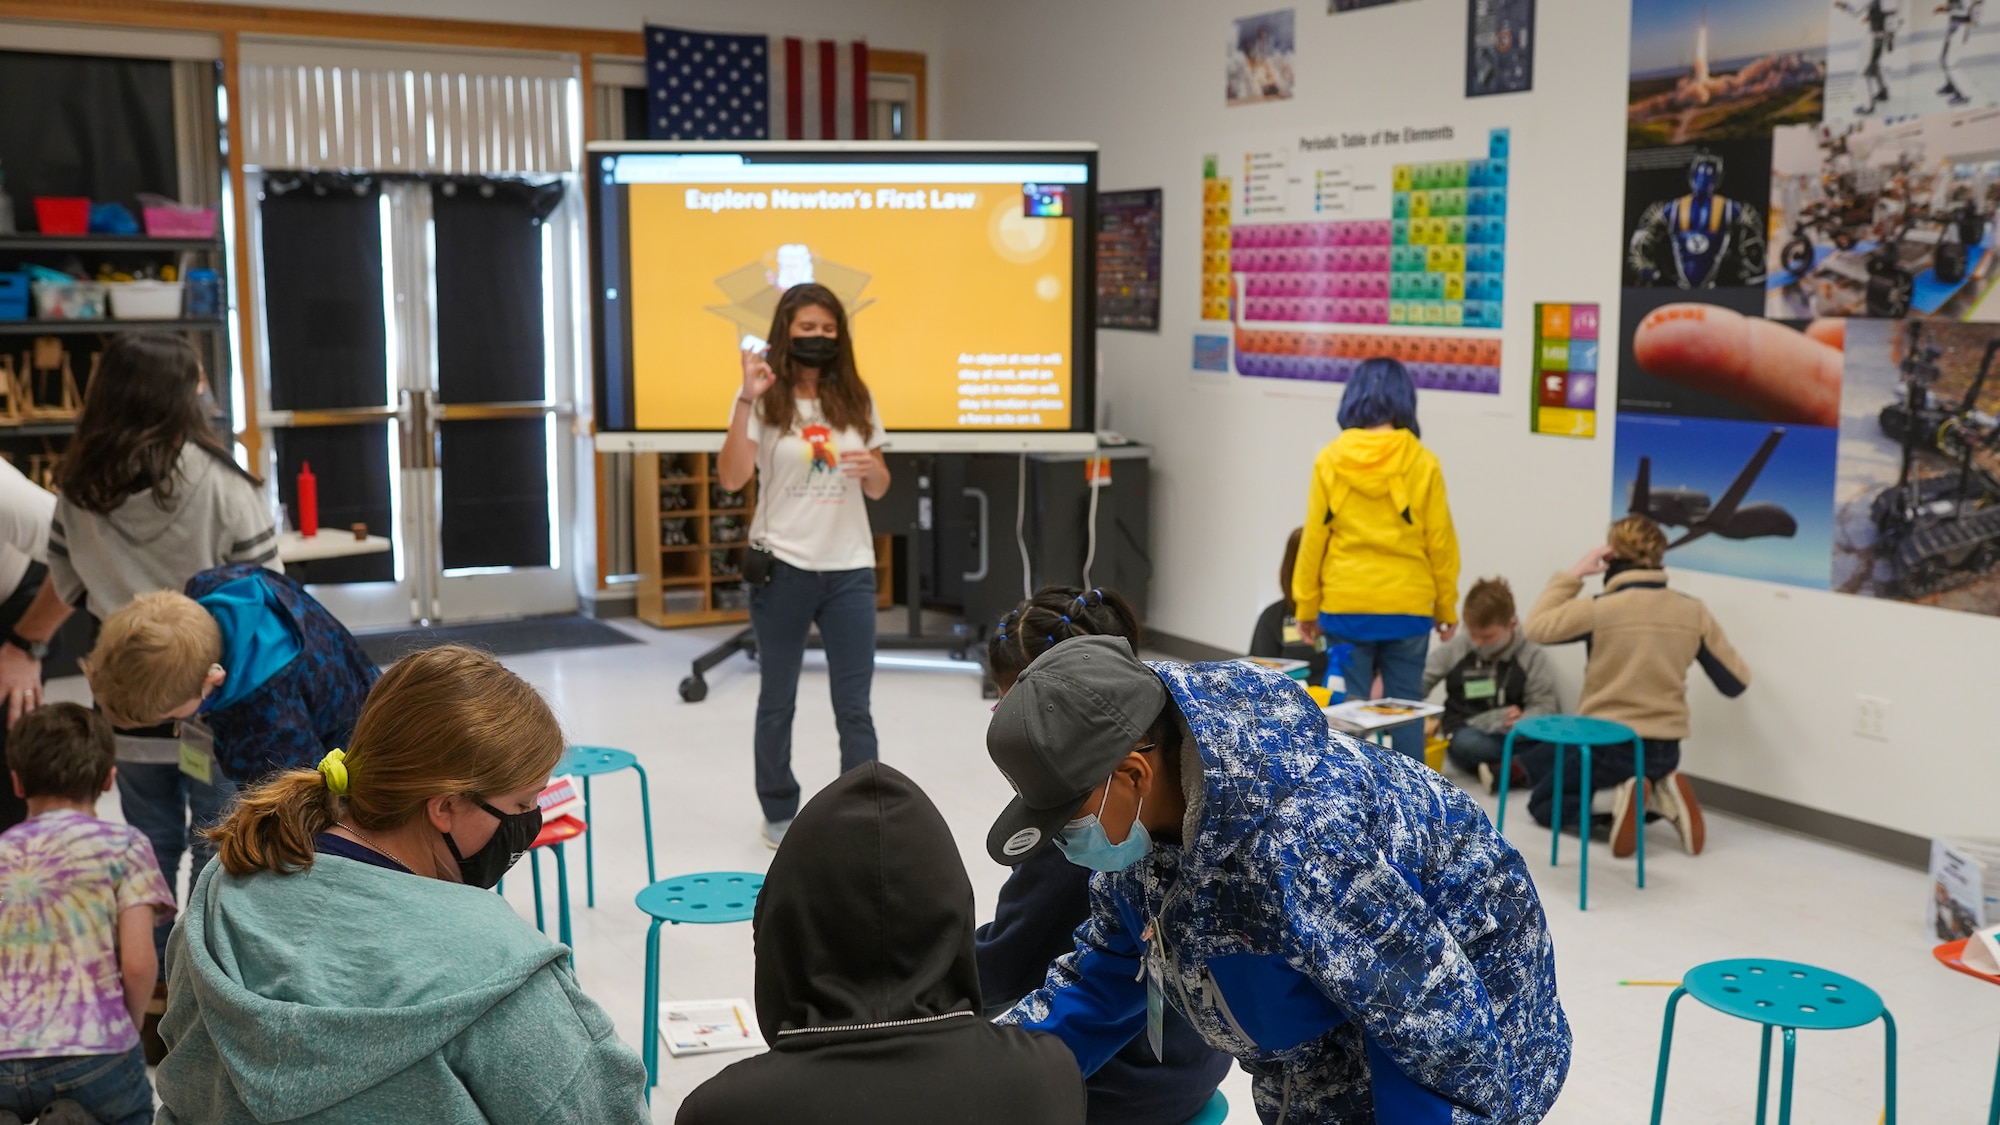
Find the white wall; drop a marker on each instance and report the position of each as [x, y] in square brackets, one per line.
[1144, 79]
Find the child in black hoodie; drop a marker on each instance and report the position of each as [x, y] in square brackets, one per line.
[866, 986]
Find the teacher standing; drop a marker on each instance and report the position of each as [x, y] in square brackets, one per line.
[806, 427]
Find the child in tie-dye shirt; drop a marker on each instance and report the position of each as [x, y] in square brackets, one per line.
[78, 899]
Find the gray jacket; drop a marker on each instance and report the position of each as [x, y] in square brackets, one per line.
[217, 516]
[1538, 693]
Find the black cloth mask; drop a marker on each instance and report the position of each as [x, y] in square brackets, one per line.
[510, 842]
[814, 351]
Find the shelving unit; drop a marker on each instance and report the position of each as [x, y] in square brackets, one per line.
[107, 326]
[679, 583]
[104, 243]
[672, 575]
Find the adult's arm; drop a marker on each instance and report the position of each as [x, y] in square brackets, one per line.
[1441, 546]
[1718, 658]
[738, 459]
[1094, 999]
[1558, 618]
[579, 1070]
[1306, 590]
[21, 674]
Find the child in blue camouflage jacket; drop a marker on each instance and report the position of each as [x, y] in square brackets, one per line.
[1339, 918]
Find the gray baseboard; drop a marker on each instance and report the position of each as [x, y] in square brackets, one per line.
[605, 605]
[1181, 648]
[1891, 844]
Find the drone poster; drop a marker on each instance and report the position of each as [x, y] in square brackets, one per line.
[1805, 386]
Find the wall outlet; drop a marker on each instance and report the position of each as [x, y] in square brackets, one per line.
[1871, 717]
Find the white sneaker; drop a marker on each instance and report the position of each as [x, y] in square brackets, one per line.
[1675, 796]
[774, 832]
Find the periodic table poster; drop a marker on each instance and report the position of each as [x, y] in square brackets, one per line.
[1320, 251]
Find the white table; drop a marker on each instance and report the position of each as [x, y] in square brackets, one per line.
[328, 544]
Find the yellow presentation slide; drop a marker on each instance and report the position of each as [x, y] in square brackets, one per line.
[960, 304]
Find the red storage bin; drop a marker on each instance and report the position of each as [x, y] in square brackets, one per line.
[62, 214]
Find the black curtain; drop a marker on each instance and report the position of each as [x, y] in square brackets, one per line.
[322, 255]
[82, 125]
[490, 348]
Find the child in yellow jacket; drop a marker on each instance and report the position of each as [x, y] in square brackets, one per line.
[1378, 565]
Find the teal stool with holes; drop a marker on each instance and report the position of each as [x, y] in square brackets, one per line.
[1788, 996]
[1582, 732]
[1214, 1113]
[706, 898]
[587, 762]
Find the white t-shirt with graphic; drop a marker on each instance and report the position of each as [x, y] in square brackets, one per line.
[809, 513]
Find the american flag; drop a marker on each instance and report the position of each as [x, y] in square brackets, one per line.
[707, 87]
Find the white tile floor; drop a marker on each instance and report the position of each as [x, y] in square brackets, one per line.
[1756, 892]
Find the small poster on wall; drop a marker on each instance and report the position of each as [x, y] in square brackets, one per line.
[1260, 58]
[1128, 259]
[1499, 47]
[1565, 362]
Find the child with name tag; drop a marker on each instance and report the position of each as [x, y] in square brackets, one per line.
[245, 659]
[1493, 678]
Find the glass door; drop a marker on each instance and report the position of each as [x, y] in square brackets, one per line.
[420, 356]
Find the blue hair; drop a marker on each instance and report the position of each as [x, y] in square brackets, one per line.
[1379, 391]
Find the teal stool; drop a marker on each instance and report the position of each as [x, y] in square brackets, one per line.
[1582, 732]
[1214, 1113]
[1787, 995]
[587, 762]
[709, 897]
[554, 834]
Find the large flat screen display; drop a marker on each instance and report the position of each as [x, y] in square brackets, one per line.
[966, 273]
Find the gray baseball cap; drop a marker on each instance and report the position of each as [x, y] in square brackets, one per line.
[1071, 718]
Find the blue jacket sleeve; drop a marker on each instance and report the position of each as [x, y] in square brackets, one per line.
[1364, 934]
[1094, 999]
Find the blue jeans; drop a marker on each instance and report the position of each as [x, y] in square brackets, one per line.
[842, 604]
[1401, 663]
[171, 808]
[111, 1088]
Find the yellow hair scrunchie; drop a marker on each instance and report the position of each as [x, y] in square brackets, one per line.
[333, 767]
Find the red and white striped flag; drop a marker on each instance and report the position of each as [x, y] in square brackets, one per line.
[819, 90]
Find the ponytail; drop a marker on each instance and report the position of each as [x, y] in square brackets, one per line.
[1053, 615]
[447, 720]
[272, 827]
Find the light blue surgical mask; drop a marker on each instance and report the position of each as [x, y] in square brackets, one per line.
[1084, 842]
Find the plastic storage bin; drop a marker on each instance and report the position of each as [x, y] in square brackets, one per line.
[683, 601]
[204, 294]
[69, 300]
[62, 214]
[180, 222]
[13, 296]
[146, 300]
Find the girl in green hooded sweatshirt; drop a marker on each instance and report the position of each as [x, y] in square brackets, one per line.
[344, 958]
[1378, 564]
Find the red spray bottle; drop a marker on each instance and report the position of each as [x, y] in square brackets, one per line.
[308, 501]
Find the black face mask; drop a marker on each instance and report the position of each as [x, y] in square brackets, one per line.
[510, 841]
[814, 351]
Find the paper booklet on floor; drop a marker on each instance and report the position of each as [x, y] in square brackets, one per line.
[1374, 714]
[1965, 887]
[563, 797]
[694, 1027]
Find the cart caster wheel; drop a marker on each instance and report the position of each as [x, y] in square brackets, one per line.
[694, 689]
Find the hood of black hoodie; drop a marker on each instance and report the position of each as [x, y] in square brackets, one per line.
[866, 915]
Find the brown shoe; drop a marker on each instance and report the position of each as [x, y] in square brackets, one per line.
[1625, 826]
[1679, 805]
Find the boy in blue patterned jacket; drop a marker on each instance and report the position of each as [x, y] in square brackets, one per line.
[247, 654]
[1342, 920]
